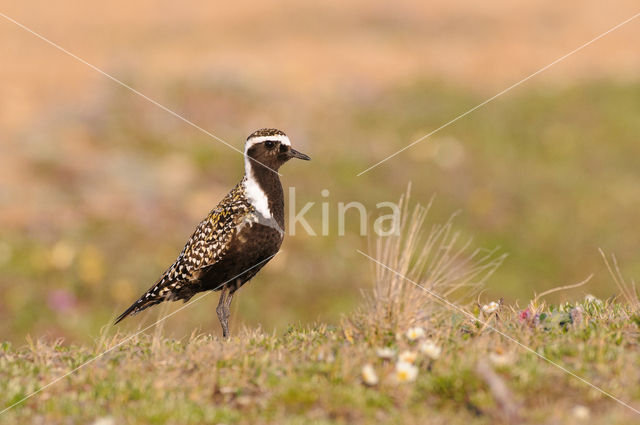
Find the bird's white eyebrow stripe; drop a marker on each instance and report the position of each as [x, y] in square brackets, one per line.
[277, 137]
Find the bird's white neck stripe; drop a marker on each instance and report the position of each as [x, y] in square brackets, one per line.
[277, 138]
[256, 196]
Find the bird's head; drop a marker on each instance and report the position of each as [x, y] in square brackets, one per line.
[270, 148]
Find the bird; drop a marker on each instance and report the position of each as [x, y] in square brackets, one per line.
[237, 238]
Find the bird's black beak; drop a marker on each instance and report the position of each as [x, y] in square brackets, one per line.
[295, 154]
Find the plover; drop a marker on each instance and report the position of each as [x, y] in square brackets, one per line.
[237, 238]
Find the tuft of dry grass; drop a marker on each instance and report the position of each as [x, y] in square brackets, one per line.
[627, 289]
[431, 256]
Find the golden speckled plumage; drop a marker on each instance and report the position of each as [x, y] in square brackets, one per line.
[206, 246]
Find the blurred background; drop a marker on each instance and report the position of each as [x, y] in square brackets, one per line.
[99, 188]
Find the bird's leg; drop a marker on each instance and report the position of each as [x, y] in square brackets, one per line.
[223, 310]
[227, 309]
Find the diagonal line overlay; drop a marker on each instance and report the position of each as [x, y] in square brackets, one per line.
[128, 87]
[560, 59]
[510, 338]
[128, 339]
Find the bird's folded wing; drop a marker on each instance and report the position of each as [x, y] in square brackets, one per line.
[207, 245]
[210, 241]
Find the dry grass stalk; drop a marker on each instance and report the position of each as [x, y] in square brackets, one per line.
[434, 259]
[560, 288]
[628, 290]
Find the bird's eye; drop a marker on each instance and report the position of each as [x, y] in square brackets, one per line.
[269, 144]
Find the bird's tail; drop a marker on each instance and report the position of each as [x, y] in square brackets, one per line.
[155, 295]
[137, 307]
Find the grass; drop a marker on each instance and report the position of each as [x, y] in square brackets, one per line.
[537, 173]
[435, 258]
[99, 191]
[312, 374]
[547, 173]
[399, 358]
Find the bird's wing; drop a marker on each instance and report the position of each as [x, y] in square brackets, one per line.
[211, 239]
[207, 245]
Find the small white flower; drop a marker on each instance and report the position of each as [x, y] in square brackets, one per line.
[430, 349]
[369, 375]
[581, 412]
[408, 356]
[490, 308]
[386, 353]
[406, 372]
[415, 333]
[592, 299]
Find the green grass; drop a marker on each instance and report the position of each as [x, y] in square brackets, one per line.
[547, 173]
[313, 374]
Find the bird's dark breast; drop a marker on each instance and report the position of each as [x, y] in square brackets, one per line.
[250, 249]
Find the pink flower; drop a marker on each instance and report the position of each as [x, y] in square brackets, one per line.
[61, 300]
[524, 315]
